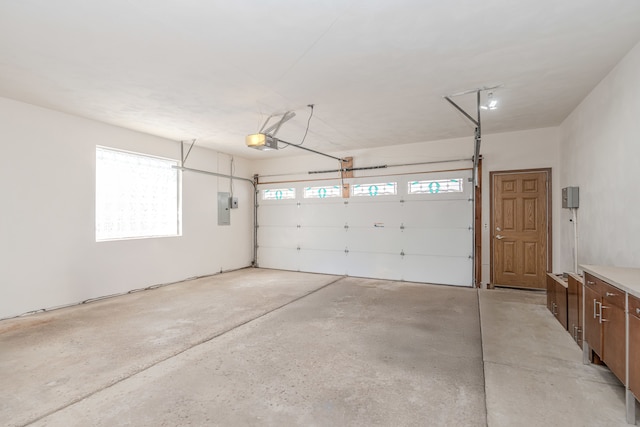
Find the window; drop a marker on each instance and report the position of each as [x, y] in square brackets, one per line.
[372, 190]
[436, 186]
[279, 194]
[136, 196]
[322, 192]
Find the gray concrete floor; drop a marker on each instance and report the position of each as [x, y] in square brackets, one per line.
[264, 347]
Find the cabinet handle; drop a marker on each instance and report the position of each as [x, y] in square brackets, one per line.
[589, 282]
[610, 294]
[638, 311]
[595, 309]
[601, 307]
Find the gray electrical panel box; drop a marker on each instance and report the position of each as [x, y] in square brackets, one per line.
[224, 209]
[571, 197]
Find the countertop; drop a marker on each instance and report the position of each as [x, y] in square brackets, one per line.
[624, 278]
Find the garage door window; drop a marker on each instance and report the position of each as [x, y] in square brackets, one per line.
[322, 192]
[436, 186]
[137, 196]
[373, 190]
[279, 194]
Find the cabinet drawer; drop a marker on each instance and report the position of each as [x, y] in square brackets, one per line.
[634, 306]
[612, 295]
[594, 284]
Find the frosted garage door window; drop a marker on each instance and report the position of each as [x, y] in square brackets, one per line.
[372, 190]
[436, 186]
[279, 194]
[322, 192]
[136, 196]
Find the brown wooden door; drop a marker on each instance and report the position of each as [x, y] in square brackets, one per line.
[520, 230]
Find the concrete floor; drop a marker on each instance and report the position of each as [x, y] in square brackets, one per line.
[264, 347]
[533, 369]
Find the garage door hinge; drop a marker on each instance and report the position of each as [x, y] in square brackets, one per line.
[401, 226]
[470, 199]
[346, 250]
[298, 204]
[346, 202]
[346, 226]
[402, 201]
[470, 228]
[298, 248]
[470, 257]
[402, 253]
[298, 226]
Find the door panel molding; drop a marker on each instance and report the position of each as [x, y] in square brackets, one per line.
[507, 216]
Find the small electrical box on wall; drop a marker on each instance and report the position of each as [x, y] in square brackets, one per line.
[233, 202]
[571, 197]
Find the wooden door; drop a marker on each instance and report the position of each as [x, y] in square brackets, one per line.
[520, 228]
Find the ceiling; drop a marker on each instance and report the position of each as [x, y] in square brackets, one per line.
[376, 70]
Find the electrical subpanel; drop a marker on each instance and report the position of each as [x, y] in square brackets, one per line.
[571, 197]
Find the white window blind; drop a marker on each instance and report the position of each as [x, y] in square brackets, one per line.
[136, 196]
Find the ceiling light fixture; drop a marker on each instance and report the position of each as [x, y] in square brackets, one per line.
[492, 103]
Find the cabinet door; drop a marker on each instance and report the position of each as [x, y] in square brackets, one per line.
[592, 327]
[551, 289]
[634, 354]
[573, 304]
[580, 331]
[613, 340]
[561, 304]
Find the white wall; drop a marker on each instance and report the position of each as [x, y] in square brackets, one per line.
[48, 253]
[600, 153]
[507, 151]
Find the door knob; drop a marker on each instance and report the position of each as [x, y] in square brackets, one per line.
[499, 237]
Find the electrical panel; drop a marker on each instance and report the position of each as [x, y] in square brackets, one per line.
[571, 197]
[224, 209]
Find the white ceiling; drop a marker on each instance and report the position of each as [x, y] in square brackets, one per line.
[376, 70]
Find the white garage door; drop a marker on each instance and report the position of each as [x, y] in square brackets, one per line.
[411, 227]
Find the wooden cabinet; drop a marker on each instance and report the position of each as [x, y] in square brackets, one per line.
[613, 331]
[634, 345]
[574, 307]
[612, 325]
[592, 328]
[557, 297]
[605, 329]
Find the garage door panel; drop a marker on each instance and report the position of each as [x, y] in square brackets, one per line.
[280, 237]
[320, 214]
[370, 212]
[279, 258]
[323, 238]
[378, 266]
[440, 241]
[439, 270]
[278, 214]
[327, 262]
[375, 239]
[423, 213]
